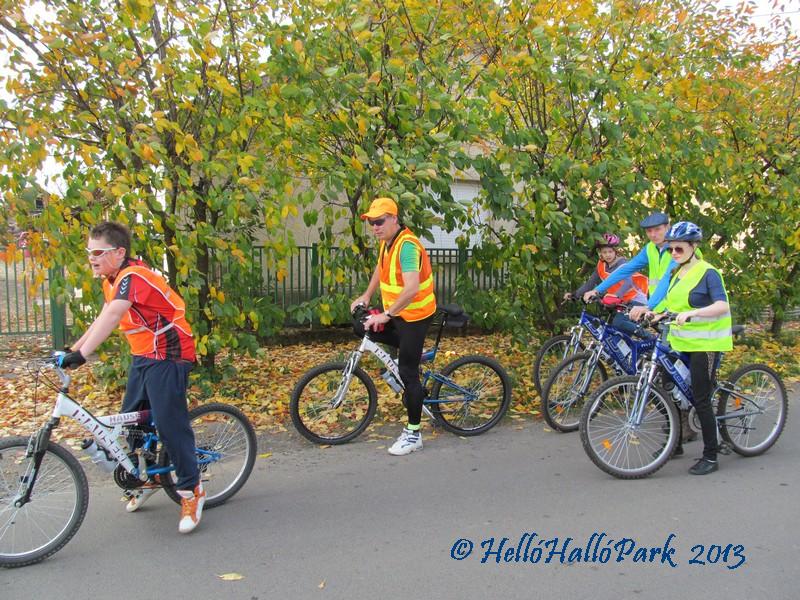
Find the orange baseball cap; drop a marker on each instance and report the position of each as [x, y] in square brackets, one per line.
[380, 206]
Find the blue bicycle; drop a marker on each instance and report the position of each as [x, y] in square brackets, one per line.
[559, 348]
[44, 492]
[630, 426]
[335, 402]
[575, 378]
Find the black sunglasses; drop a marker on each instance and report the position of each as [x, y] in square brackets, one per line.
[377, 222]
[676, 250]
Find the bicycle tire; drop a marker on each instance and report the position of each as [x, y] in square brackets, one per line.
[549, 355]
[58, 468]
[737, 431]
[562, 406]
[355, 413]
[607, 438]
[495, 396]
[225, 429]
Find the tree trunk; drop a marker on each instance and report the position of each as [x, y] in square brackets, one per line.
[777, 323]
[203, 267]
[781, 302]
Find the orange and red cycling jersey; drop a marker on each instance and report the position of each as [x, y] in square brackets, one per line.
[155, 324]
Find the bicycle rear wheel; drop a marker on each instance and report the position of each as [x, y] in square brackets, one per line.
[618, 446]
[552, 352]
[226, 451]
[752, 417]
[570, 384]
[312, 405]
[473, 397]
[40, 528]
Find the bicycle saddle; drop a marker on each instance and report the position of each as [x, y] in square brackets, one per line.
[452, 310]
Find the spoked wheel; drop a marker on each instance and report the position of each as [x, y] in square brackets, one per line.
[752, 415]
[552, 352]
[327, 409]
[41, 527]
[472, 397]
[612, 439]
[570, 384]
[226, 451]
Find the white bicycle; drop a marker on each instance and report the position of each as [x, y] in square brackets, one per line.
[43, 488]
[335, 402]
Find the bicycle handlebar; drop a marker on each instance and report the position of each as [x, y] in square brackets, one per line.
[51, 362]
[360, 312]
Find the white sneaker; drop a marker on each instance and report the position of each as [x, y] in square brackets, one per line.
[191, 508]
[408, 442]
[139, 496]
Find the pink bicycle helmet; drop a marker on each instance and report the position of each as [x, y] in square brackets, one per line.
[608, 240]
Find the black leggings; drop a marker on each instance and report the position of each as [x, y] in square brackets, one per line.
[703, 366]
[409, 338]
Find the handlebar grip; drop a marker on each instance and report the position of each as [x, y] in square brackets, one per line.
[360, 313]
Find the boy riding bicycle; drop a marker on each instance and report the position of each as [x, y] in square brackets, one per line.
[152, 317]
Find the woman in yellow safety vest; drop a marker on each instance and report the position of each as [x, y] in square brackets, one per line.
[702, 328]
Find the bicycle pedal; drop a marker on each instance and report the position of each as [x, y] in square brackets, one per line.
[724, 448]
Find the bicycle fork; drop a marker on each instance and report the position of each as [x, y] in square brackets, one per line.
[347, 377]
[643, 392]
[37, 446]
[576, 333]
[588, 370]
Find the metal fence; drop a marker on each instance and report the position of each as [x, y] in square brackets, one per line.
[27, 308]
[304, 277]
[26, 305]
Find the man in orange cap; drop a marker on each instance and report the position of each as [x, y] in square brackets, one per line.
[405, 279]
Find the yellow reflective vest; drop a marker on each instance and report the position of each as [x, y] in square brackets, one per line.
[423, 304]
[700, 334]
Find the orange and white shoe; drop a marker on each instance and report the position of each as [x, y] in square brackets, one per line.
[191, 508]
[139, 496]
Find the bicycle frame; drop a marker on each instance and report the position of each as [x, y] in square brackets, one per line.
[586, 322]
[603, 332]
[369, 346]
[106, 430]
[664, 356]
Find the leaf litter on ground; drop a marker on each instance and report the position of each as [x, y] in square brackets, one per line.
[263, 384]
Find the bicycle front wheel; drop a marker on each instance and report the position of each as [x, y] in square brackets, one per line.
[41, 527]
[326, 409]
[552, 352]
[752, 415]
[615, 442]
[570, 384]
[472, 396]
[226, 451]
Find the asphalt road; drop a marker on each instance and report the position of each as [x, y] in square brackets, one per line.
[355, 522]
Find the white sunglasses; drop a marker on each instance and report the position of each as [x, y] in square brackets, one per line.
[98, 252]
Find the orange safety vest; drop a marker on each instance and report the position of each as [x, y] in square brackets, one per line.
[142, 338]
[423, 305]
[639, 281]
